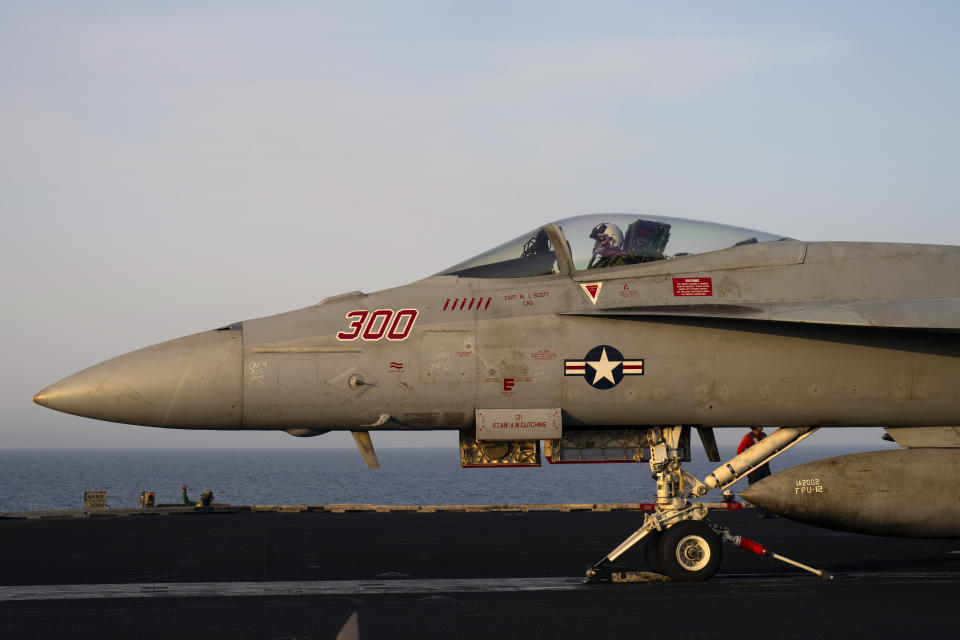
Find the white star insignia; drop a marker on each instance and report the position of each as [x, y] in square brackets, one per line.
[604, 368]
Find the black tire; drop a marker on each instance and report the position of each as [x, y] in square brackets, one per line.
[651, 553]
[690, 552]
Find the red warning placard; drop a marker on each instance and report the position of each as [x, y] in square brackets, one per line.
[692, 287]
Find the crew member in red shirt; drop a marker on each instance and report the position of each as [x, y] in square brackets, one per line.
[756, 435]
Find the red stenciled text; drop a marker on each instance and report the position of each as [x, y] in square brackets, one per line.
[522, 424]
[378, 324]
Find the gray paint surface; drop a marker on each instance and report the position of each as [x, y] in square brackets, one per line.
[793, 333]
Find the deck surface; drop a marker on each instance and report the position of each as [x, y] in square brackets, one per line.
[438, 575]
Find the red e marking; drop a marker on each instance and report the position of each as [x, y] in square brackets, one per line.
[509, 383]
[395, 325]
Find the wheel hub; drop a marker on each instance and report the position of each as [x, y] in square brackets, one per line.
[693, 553]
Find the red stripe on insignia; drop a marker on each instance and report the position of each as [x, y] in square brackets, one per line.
[471, 303]
[456, 300]
[463, 303]
[445, 304]
[488, 303]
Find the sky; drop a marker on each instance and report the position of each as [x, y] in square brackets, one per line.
[167, 168]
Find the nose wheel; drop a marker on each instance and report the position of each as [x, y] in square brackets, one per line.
[651, 553]
[690, 552]
[684, 550]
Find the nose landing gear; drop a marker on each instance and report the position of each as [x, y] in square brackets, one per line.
[680, 541]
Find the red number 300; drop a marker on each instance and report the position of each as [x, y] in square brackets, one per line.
[374, 325]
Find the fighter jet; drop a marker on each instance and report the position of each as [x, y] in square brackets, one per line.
[610, 338]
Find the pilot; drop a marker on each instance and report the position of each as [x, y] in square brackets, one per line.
[607, 246]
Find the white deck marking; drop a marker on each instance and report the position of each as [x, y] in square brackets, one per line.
[389, 586]
[288, 588]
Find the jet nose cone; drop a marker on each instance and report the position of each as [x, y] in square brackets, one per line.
[41, 397]
[190, 382]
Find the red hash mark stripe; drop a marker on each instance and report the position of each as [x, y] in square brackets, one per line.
[466, 304]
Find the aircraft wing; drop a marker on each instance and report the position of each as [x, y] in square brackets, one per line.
[927, 314]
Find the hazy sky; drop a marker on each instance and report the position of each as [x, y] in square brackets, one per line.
[167, 168]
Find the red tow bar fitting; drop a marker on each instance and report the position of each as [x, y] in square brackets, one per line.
[755, 547]
[749, 545]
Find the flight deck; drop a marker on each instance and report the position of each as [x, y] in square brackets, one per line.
[505, 573]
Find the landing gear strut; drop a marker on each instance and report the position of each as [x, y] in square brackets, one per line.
[681, 542]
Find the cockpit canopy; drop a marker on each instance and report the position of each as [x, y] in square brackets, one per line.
[606, 240]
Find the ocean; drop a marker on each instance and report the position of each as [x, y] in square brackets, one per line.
[56, 479]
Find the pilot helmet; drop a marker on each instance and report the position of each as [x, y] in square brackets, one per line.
[728, 496]
[608, 238]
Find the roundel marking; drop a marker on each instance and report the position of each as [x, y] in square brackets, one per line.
[603, 367]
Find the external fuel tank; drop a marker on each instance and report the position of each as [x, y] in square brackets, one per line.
[910, 493]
